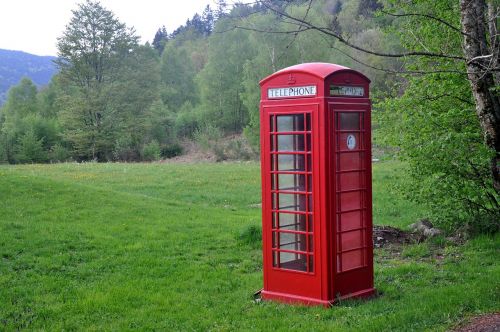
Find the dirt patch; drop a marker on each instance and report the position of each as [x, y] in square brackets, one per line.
[192, 153]
[386, 235]
[483, 323]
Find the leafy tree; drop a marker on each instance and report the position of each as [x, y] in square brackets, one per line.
[93, 45]
[21, 104]
[434, 124]
[92, 53]
[220, 81]
[177, 75]
[131, 97]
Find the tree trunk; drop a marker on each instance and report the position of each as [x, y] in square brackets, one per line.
[481, 54]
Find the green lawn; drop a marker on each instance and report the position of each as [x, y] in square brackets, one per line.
[156, 247]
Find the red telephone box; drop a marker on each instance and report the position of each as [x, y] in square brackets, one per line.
[316, 184]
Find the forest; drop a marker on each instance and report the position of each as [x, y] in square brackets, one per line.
[435, 102]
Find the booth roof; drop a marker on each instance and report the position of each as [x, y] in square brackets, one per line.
[318, 69]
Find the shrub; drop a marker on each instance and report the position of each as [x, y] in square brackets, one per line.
[151, 151]
[59, 153]
[125, 150]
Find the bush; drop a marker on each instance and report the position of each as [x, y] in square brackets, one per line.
[171, 150]
[186, 122]
[151, 151]
[59, 153]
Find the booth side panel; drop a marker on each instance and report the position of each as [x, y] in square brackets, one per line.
[369, 194]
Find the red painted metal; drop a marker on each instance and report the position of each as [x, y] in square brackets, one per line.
[316, 186]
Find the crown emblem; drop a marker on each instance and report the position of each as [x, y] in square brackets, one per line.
[291, 79]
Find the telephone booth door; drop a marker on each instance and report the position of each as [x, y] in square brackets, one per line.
[291, 174]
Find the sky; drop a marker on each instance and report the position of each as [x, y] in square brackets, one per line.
[33, 26]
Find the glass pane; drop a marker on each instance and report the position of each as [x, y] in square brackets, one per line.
[349, 121]
[290, 122]
[291, 202]
[291, 222]
[292, 241]
[290, 162]
[308, 122]
[290, 182]
[293, 261]
[290, 143]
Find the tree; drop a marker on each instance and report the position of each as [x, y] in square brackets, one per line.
[21, 103]
[93, 45]
[30, 149]
[208, 19]
[177, 74]
[92, 52]
[481, 47]
[161, 38]
[220, 81]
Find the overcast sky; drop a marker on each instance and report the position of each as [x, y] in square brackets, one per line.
[33, 25]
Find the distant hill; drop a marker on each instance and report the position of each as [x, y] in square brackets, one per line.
[14, 65]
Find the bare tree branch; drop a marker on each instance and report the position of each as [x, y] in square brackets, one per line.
[341, 39]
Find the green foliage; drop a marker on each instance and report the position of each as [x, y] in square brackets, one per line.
[186, 121]
[177, 74]
[434, 125]
[59, 153]
[30, 149]
[220, 81]
[93, 46]
[28, 125]
[124, 149]
[151, 151]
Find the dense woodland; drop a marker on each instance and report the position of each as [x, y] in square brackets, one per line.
[117, 100]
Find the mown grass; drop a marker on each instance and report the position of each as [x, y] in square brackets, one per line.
[169, 247]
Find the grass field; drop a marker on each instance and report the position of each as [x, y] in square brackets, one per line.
[158, 247]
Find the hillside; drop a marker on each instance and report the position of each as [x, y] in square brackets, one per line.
[15, 65]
